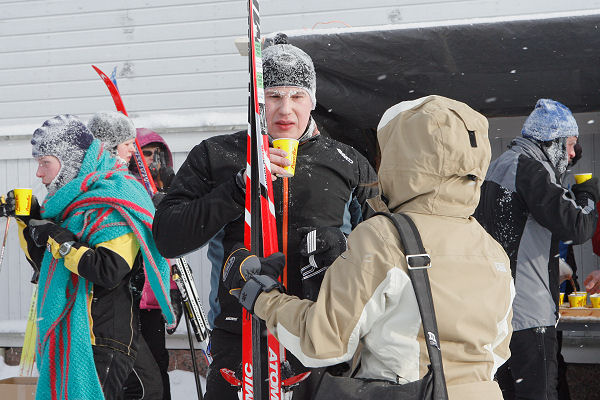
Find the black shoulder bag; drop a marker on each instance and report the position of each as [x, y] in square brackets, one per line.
[432, 386]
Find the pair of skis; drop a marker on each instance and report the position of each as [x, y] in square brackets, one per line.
[182, 273]
[260, 235]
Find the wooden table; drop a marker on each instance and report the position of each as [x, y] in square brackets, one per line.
[579, 319]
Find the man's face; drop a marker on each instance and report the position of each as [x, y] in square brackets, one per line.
[126, 149]
[287, 111]
[48, 168]
[571, 142]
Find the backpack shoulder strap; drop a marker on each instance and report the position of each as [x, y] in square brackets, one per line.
[418, 263]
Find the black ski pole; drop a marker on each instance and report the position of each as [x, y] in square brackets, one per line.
[193, 353]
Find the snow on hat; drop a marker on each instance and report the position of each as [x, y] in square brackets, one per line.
[66, 138]
[287, 65]
[549, 120]
[112, 128]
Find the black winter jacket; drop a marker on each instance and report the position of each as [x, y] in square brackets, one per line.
[330, 188]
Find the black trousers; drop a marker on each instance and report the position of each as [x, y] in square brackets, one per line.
[531, 372]
[226, 350]
[113, 368]
[152, 327]
[144, 381]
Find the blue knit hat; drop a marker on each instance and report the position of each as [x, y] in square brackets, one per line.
[549, 120]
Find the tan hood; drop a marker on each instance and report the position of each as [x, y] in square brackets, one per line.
[428, 154]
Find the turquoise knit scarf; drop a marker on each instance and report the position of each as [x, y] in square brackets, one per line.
[101, 204]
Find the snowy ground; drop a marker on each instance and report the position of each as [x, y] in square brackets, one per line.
[183, 385]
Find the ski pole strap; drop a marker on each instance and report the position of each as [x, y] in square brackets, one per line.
[418, 263]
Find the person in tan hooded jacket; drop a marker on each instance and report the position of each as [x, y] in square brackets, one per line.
[435, 154]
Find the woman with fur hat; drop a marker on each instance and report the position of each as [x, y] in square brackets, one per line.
[116, 131]
[94, 234]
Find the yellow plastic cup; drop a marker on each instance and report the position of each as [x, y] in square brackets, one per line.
[290, 146]
[580, 178]
[23, 201]
[561, 299]
[577, 299]
[595, 299]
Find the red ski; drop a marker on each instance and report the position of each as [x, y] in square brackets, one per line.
[260, 233]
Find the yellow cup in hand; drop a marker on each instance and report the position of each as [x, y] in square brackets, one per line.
[580, 178]
[23, 201]
[290, 146]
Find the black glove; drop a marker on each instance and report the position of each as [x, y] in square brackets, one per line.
[157, 198]
[578, 153]
[322, 246]
[41, 230]
[246, 276]
[586, 190]
[166, 175]
[11, 204]
[177, 303]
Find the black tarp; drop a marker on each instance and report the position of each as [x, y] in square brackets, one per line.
[499, 68]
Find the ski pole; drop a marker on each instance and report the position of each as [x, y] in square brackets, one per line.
[193, 354]
[4, 241]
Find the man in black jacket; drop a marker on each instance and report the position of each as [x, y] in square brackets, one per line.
[205, 204]
[525, 208]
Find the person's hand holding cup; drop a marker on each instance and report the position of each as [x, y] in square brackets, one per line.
[22, 204]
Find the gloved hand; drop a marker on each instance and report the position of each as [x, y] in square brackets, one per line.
[166, 175]
[157, 198]
[11, 204]
[322, 246]
[246, 276]
[41, 230]
[177, 303]
[587, 190]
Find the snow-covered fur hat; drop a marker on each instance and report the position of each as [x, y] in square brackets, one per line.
[287, 65]
[112, 128]
[66, 138]
[549, 120]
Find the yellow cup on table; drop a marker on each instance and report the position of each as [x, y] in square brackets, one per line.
[22, 201]
[595, 299]
[290, 146]
[561, 299]
[580, 178]
[577, 299]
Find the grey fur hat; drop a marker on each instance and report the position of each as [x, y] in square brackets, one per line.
[287, 65]
[66, 138]
[112, 128]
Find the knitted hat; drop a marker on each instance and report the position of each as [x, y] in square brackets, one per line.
[287, 65]
[112, 128]
[66, 138]
[549, 120]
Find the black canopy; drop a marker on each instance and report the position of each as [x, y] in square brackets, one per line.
[499, 68]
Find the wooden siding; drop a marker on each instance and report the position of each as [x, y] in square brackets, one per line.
[173, 56]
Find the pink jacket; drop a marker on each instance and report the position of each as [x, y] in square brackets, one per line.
[145, 137]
